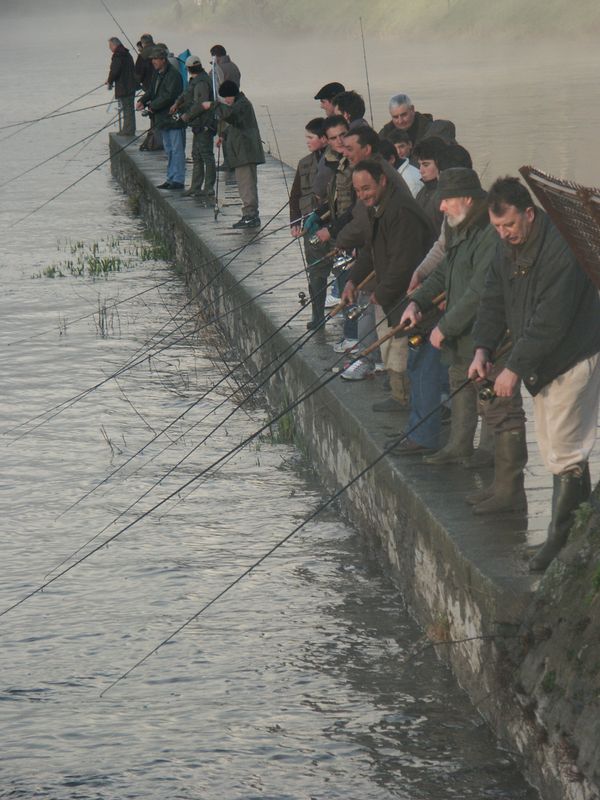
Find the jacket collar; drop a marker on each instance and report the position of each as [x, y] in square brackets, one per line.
[524, 256]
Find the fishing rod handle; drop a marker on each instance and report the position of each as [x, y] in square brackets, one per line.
[343, 303]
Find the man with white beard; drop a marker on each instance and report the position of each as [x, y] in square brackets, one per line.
[470, 247]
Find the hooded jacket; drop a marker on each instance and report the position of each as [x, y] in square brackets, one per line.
[552, 309]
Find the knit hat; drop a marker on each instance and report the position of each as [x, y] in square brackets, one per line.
[459, 182]
[329, 91]
[229, 89]
[160, 52]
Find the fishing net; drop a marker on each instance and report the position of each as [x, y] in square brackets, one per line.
[575, 210]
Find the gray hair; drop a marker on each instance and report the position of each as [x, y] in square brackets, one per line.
[399, 100]
[114, 40]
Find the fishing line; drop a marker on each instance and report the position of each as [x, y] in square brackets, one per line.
[386, 451]
[190, 481]
[54, 116]
[132, 362]
[364, 49]
[107, 9]
[51, 113]
[71, 185]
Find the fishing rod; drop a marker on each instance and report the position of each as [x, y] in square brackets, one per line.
[199, 399]
[194, 479]
[50, 113]
[364, 49]
[54, 116]
[211, 389]
[107, 9]
[56, 155]
[133, 362]
[71, 185]
[387, 449]
[285, 181]
[218, 164]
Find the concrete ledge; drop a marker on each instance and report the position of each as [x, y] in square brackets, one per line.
[463, 577]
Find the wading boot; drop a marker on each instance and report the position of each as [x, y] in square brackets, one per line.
[507, 492]
[400, 399]
[462, 429]
[569, 490]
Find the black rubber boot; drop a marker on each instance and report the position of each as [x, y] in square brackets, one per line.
[570, 489]
[507, 492]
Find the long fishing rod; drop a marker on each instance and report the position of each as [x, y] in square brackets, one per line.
[107, 9]
[199, 399]
[194, 479]
[50, 113]
[364, 49]
[217, 208]
[54, 116]
[389, 448]
[211, 389]
[83, 177]
[285, 181]
[60, 153]
[134, 360]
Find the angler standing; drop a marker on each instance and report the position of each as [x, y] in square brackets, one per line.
[469, 250]
[121, 76]
[536, 288]
[242, 147]
[199, 91]
[166, 87]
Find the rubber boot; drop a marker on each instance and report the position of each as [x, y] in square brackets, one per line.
[483, 455]
[507, 492]
[197, 179]
[569, 490]
[400, 388]
[462, 429]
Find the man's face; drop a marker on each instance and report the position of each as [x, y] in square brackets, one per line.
[428, 169]
[335, 138]
[368, 190]
[229, 101]
[355, 151]
[314, 142]
[513, 226]
[112, 47]
[403, 149]
[456, 209]
[327, 107]
[403, 116]
[159, 64]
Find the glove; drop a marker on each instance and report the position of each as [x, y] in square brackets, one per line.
[312, 223]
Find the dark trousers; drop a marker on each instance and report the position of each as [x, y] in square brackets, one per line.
[317, 277]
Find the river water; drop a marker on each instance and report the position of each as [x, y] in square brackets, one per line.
[309, 680]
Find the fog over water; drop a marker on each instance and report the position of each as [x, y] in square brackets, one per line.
[310, 681]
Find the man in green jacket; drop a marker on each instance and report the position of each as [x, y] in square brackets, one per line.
[470, 248]
[167, 85]
[536, 288]
[243, 148]
[199, 91]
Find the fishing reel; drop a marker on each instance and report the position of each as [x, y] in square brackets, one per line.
[356, 312]
[176, 116]
[145, 113]
[415, 341]
[341, 262]
[302, 299]
[486, 392]
[314, 240]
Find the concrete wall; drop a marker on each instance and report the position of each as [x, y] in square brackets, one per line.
[465, 579]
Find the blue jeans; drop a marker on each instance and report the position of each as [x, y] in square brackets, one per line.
[174, 144]
[426, 373]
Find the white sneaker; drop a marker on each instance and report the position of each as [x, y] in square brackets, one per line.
[358, 371]
[380, 367]
[346, 346]
[331, 301]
